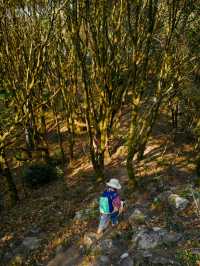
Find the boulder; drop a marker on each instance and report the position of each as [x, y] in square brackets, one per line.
[31, 243]
[160, 260]
[148, 240]
[177, 202]
[127, 262]
[163, 197]
[171, 237]
[104, 259]
[137, 216]
[152, 238]
[106, 244]
[35, 230]
[124, 255]
[147, 257]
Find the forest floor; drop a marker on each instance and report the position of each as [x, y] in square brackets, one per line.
[50, 216]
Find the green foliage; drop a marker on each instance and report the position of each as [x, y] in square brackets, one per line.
[185, 194]
[56, 159]
[59, 172]
[39, 174]
[186, 257]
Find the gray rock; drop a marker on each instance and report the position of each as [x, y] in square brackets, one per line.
[35, 230]
[164, 196]
[171, 238]
[106, 244]
[31, 243]
[127, 262]
[162, 260]
[147, 254]
[160, 231]
[104, 259]
[156, 257]
[151, 238]
[109, 247]
[177, 202]
[66, 258]
[195, 251]
[148, 241]
[124, 255]
[137, 216]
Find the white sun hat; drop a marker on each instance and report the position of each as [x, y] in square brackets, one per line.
[114, 183]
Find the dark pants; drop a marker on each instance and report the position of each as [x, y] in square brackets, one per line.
[114, 217]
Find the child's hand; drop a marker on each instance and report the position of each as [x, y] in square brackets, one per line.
[115, 209]
[121, 207]
[120, 210]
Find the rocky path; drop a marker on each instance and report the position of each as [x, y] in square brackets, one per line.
[144, 236]
[159, 227]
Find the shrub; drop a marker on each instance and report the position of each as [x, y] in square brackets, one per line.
[57, 159]
[59, 172]
[186, 257]
[39, 174]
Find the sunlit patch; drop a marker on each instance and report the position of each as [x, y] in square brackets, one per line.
[6, 238]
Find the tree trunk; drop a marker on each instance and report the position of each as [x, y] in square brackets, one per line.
[98, 164]
[59, 134]
[71, 140]
[129, 164]
[132, 142]
[9, 183]
[44, 137]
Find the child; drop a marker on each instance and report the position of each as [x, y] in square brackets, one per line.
[109, 205]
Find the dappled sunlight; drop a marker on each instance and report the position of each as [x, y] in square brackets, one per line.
[82, 167]
[53, 207]
[91, 91]
[5, 238]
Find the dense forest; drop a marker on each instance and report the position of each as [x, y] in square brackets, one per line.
[75, 73]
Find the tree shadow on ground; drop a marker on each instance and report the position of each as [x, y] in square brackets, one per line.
[165, 179]
[166, 169]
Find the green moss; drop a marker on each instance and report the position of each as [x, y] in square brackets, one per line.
[186, 257]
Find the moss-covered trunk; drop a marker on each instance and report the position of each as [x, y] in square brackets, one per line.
[132, 146]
